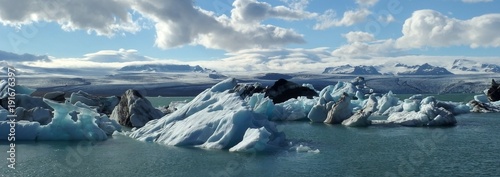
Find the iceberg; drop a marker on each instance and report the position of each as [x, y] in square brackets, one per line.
[69, 122]
[360, 118]
[425, 113]
[318, 113]
[340, 111]
[38, 114]
[19, 89]
[134, 110]
[29, 102]
[103, 104]
[386, 102]
[63, 127]
[218, 118]
[293, 109]
[480, 107]
[24, 130]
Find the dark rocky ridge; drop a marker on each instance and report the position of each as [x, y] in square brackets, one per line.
[281, 91]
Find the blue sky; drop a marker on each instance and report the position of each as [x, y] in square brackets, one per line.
[225, 29]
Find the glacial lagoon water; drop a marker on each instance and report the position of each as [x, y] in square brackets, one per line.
[468, 149]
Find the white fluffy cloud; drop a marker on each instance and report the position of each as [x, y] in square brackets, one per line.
[476, 1]
[329, 18]
[431, 28]
[358, 36]
[363, 45]
[102, 17]
[252, 11]
[179, 23]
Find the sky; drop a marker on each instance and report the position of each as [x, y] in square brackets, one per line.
[247, 35]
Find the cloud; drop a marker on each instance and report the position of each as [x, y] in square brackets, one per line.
[102, 17]
[249, 61]
[252, 11]
[476, 1]
[110, 56]
[13, 57]
[110, 59]
[296, 4]
[358, 36]
[386, 19]
[363, 45]
[431, 28]
[367, 3]
[179, 23]
[271, 60]
[329, 19]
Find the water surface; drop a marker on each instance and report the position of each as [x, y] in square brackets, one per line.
[468, 149]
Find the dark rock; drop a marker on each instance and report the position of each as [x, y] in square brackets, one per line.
[494, 91]
[283, 90]
[134, 110]
[55, 96]
[247, 90]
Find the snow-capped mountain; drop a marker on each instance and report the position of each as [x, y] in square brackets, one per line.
[165, 68]
[355, 70]
[474, 66]
[425, 69]
[396, 69]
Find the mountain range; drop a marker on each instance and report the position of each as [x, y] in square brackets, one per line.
[474, 66]
[459, 66]
[396, 69]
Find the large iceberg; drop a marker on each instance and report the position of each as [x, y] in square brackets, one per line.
[420, 112]
[218, 118]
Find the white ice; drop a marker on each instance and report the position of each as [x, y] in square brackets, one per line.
[89, 125]
[215, 119]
